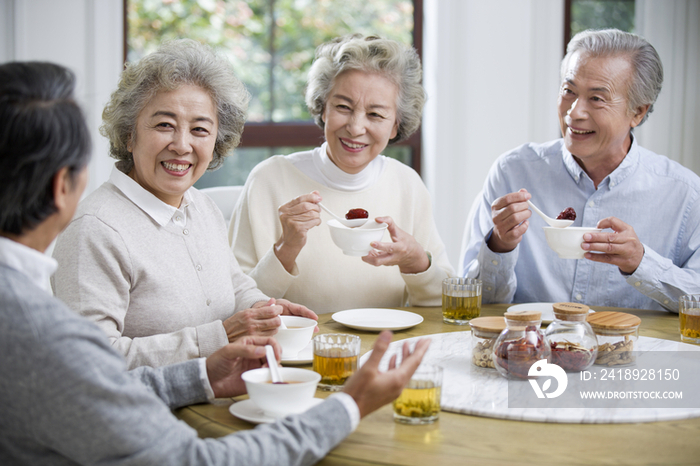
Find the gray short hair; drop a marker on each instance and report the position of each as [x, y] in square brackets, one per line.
[176, 63]
[648, 74]
[397, 62]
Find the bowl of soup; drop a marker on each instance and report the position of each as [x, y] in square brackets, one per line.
[296, 336]
[356, 241]
[566, 242]
[294, 396]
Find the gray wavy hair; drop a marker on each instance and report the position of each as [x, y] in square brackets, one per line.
[174, 64]
[397, 62]
[648, 74]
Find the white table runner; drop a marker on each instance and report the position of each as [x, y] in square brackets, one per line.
[472, 390]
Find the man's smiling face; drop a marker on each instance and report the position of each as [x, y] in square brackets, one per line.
[593, 109]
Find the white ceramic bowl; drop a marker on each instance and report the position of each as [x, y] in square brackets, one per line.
[296, 336]
[355, 241]
[566, 242]
[279, 400]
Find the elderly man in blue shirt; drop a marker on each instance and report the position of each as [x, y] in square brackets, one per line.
[647, 256]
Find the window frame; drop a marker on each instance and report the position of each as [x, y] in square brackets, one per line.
[567, 24]
[306, 133]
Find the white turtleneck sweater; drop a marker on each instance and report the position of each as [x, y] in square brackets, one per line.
[324, 279]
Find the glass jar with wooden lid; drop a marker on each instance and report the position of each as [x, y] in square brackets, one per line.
[485, 331]
[573, 343]
[520, 345]
[617, 334]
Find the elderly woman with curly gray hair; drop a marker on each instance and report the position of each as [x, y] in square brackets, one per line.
[365, 93]
[146, 256]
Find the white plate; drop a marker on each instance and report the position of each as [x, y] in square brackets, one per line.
[377, 319]
[545, 308]
[304, 356]
[249, 411]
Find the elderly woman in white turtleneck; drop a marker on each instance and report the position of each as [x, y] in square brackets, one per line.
[365, 92]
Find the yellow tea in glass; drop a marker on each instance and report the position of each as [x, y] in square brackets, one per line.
[334, 370]
[335, 358]
[689, 318]
[461, 300]
[419, 402]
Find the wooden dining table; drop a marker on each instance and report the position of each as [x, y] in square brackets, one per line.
[464, 439]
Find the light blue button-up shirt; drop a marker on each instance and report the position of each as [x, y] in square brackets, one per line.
[659, 198]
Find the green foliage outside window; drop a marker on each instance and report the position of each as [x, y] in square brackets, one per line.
[270, 42]
[600, 14]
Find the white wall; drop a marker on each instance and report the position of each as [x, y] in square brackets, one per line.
[673, 129]
[492, 77]
[491, 73]
[84, 35]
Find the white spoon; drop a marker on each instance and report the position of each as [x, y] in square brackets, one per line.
[272, 363]
[355, 222]
[553, 222]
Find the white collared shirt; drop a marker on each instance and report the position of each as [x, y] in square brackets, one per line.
[158, 210]
[37, 266]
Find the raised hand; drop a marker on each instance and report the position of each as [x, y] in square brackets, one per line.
[297, 216]
[261, 319]
[510, 215]
[372, 389]
[403, 250]
[225, 366]
[622, 247]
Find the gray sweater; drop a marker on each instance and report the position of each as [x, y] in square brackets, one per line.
[66, 398]
[159, 291]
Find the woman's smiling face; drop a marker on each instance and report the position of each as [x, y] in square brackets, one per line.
[174, 142]
[360, 118]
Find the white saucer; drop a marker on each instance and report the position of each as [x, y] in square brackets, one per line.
[377, 319]
[545, 308]
[305, 356]
[249, 411]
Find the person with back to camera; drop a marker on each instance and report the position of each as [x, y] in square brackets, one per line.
[65, 395]
[648, 206]
[365, 93]
[147, 256]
